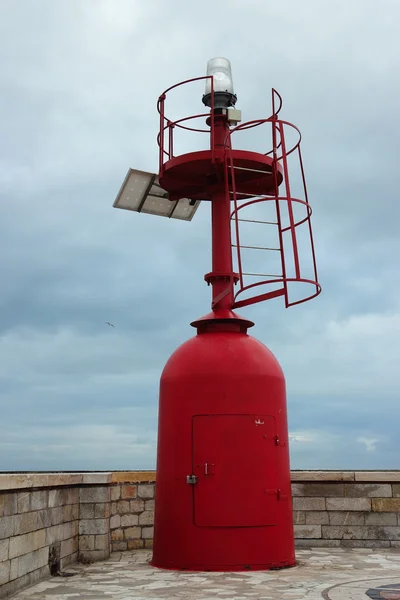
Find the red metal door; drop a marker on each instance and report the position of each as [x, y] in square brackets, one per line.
[235, 465]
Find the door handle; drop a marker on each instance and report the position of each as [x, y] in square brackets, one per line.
[208, 469]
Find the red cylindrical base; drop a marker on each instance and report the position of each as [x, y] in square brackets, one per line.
[223, 497]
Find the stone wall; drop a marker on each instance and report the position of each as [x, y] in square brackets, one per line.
[49, 520]
[132, 514]
[39, 528]
[347, 509]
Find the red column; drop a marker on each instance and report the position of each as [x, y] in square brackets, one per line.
[221, 277]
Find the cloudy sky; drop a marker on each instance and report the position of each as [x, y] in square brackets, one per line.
[79, 81]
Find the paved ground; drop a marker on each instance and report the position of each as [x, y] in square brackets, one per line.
[329, 574]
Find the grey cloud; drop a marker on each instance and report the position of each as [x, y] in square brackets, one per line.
[79, 85]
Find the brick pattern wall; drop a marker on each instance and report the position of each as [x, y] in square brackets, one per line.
[60, 518]
[94, 523]
[36, 527]
[132, 516]
[350, 515]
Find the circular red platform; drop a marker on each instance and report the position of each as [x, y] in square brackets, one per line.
[194, 175]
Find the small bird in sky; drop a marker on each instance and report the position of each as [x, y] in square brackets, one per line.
[110, 324]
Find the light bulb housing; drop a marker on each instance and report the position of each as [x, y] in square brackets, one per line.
[221, 72]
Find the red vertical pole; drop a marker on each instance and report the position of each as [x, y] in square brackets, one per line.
[221, 277]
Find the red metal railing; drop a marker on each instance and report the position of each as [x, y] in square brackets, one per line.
[280, 150]
[280, 153]
[167, 126]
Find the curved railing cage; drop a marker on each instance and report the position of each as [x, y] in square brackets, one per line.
[277, 224]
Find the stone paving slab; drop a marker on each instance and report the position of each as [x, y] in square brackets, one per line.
[328, 574]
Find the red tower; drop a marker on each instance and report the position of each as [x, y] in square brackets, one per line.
[223, 496]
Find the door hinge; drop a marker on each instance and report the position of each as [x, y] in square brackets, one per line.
[277, 493]
[191, 479]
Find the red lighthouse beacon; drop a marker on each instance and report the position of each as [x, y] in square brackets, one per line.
[223, 496]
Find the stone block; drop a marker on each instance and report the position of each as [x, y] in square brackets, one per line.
[119, 546]
[345, 517]
[117, 535]
[386, 504]
[137, 506]
[61, 514]
[93, 526]
[44, 518]
[365, 544]
[317, 517]
[54, 534]
[94, 494]
[128, 492]
[357, 504]
[23, 502]
[322, 476]
[55, 498]
[39, 499]
[137, 544]
[25, 523]
[114, 508]
[368, 490]
[395, 544]
[5, 568]
[115, 492]
[8, 504]
[349, 532]
[148, 544]
[68, 547]
[115, 522]
[99, 478]
[102, 511]
[86, 542]
[310, 543]
[61, 498]
[72, 496]
[309, 504]
[87, 511]
[94, 555]
[374, 476]
[146, 491]
[29, 562]
[149, 505]
[131, 533]
[23, 544]
[133, 476]
[123, 507]
[75, 511]
[102, 542]
[148, 532]
[307, 531]
[321, 490]
[7, 527]
[129, 520]
[13, 481]
[396, 490]
[70, 529]
[389, 533]
[299, 517]
[375, 518]
[25, 581]
[4, 546]
[146, 518]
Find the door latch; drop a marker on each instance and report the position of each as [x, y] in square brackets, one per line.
[191, 479]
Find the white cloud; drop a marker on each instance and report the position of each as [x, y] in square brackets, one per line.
[369, 443]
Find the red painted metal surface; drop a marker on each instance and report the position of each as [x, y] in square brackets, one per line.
[223, 497]
[216, 391]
